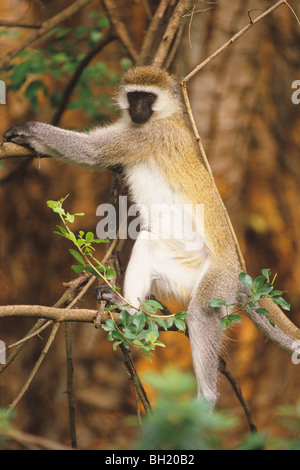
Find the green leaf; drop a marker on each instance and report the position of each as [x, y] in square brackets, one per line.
[77, 256]
[255, 297]
[19, 74]
[180, 315]
[246, 280]
[262, 311]
[278, 292]
[138, 343]
[266, 273]
[139, 320]
[70, 217]
[235, 318]
[129, 334]
[109, 325]
[159, 343]
[89, 237]
[124, 317]
[259, 281]
[117, 335]
[62, 31]
[265, 289]
[103, 22]
[116, 344]
[32, 92]
[153, 328]
[283, 303]
[169, 322]
[151, 336]
[59, 210]
[93, 271]
[179, 324]
[53, 204]
[270, 321]
[217, 302]
[78, 269]
[95, 35]
[109, 336]
[152, 306]
[110, 273]
[161, 322]
[63, 230]
[227, 321]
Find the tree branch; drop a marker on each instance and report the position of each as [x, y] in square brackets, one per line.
[121, 29]
[58, 315]
[10, 150]
[152, 31]
[233, 39]
[31, 441]
[5, 24]
[170, 32]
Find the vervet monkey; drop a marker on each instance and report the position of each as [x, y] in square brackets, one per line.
[158, 156]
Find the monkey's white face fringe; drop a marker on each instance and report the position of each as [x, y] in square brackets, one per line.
[164, 106]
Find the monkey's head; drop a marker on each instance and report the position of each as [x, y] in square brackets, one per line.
[148, 92]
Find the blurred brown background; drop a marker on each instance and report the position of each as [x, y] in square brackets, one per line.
[250, 129]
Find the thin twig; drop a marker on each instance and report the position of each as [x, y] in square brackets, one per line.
[37, 365]
[137, 384]
[293, 11]
[223, 369]
[232, 40]
[70, 388]
[29, 336]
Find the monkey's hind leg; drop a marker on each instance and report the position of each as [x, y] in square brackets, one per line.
[205, 336]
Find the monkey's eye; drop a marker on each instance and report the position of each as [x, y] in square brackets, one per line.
[151, 97]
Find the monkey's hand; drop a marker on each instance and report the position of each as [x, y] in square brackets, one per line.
[25, 134]
[104, 292]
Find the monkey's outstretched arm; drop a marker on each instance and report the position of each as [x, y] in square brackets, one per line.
[93, 150]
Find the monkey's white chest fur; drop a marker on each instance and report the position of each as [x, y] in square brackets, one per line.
[170, 245]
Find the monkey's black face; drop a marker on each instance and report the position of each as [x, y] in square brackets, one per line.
[140, 105]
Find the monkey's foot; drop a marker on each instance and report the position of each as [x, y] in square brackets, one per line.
[104, 292]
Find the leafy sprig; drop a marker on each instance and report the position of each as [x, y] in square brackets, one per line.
[84, 254]
[140, 329]
[259, 287]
